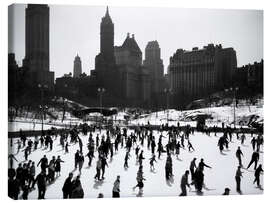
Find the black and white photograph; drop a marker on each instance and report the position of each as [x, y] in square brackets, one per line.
[117, 102]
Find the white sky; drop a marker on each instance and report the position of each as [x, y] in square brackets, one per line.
[76, 29]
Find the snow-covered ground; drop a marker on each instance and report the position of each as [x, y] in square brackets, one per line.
[216, 179]
[220, 114]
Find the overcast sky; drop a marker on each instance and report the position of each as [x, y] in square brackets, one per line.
[76, 29]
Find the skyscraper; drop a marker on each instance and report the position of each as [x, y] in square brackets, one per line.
[37, 54]
[154, 64]
[77, 68]
[105, 58]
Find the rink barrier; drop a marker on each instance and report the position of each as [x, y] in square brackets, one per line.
[31, 133]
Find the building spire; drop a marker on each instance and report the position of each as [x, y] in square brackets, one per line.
[107, 11]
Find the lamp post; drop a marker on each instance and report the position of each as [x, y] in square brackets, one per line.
[42, 87]
[64, 109]
[101, 90]
[167, 92]
[233, 89]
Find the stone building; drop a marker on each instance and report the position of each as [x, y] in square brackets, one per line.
[250, 76]
[119, 69]
[135, 83]
[77, 67]
[200, 72]
[154, 65]
[37, 52]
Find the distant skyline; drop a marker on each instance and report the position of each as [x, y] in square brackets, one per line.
[76, 30]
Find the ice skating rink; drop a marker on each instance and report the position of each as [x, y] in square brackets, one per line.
[221, 175]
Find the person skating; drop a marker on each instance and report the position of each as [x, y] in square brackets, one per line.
[192, 167]
[257, 175]
[90, 156]
[51, 170]
[254, 159]
[98, 168]
[76, 158]
[243, 138]
[238, 177]
[152, 160]
[43, 163]
[202, 165]
[80, 162]
[13, 184]
[67, 187]
[253, 142]
[32, 173]
[184, 183]
[177, 149]
[58, 165]
[190, 146]
[41, 183]
[226, 191]
[126, 160]
[116, 188]
[66, 147]
[11, 157]
[168, 167]
[103, 166]
[239, 155]
[140, 180]
[77, 190]
[141, 158]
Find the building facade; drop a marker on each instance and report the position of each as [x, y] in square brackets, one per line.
[200, 72]
[119, 69]
[154, 64]
[250, 76]
[135, 80]
[77, 67]
[37, 54]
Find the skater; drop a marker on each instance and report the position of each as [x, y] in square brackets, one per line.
[141, 158]
[44, 163]
[76, 158]
[103, 166]
[77, 190]
[253, 142]
[202, 165]
[184, 183]
[137, 149]
[80, 161]
[177, 149]
[41, 182]
[190, 146]
[98, 168]
[32, 173]
[116, 188]
[11, 157]
[67, 187]
[254, 158]
[243, 137]
[66, 147]
[58, 165]
[238, 155]
[257, 175]
[168, 167]
[152, 160]
[51, 170]
[126, 160]
[192, 168]
[238, 177]
[226, 191]
[140, 180]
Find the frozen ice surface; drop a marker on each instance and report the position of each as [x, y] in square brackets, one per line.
[216, 179]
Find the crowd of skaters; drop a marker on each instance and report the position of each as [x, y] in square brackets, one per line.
[24, 179]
